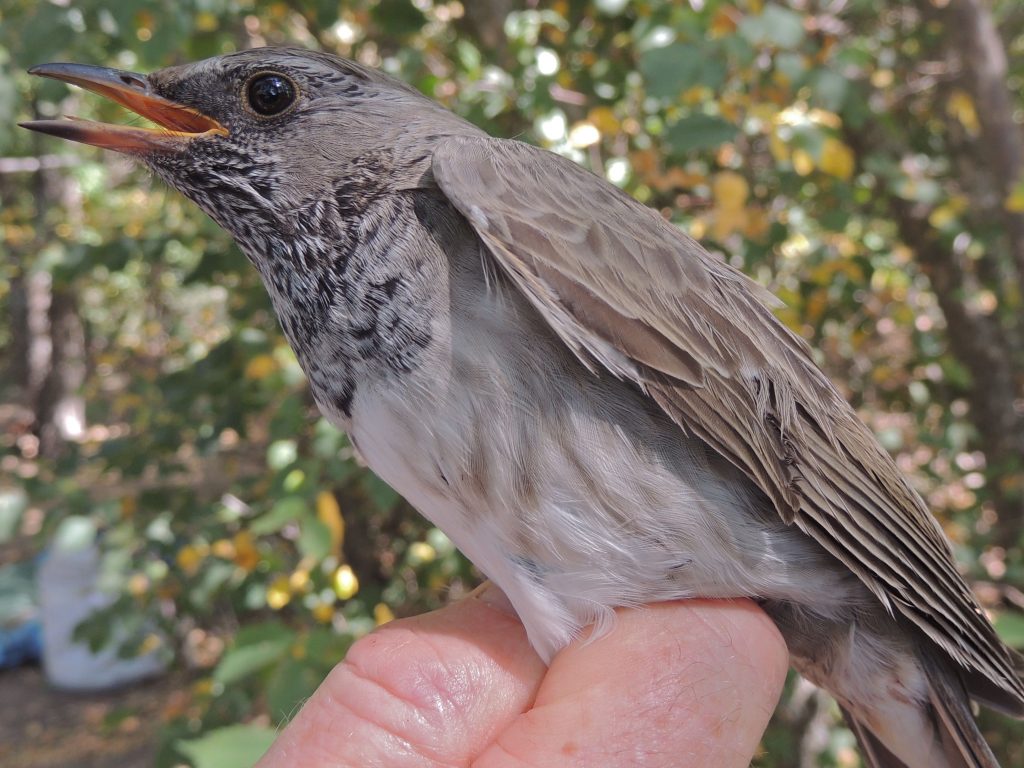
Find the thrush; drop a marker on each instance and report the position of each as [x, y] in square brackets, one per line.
[596, 411]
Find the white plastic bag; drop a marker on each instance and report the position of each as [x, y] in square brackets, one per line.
[68, 594]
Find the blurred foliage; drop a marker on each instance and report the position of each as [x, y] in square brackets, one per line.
[241, 521]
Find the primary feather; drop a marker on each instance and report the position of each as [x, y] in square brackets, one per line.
[605, 270]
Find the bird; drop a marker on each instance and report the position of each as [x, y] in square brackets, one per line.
[597, 411]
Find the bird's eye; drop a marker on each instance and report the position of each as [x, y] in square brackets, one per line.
[270, 94]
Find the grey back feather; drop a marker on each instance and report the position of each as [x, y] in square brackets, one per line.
[623, 287]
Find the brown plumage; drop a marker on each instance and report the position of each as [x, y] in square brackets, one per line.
[597, 411]
[612, 272]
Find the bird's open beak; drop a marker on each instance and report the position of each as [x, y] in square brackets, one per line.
[178, 123]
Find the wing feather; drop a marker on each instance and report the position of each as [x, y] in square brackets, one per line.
[627, 290]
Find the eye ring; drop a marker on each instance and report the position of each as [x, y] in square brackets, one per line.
[270, 94]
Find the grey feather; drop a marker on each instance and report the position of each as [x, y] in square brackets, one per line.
[724, 368]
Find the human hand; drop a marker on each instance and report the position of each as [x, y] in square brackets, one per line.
[683, 684]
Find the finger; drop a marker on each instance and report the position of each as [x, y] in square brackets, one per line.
[679, 684]
[433, 690]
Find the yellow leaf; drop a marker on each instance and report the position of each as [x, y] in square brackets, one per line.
[961, 107]
[644, 162]
[382, 614]
[260, 367]
[723, 23]
[129, 506]
[279, 593]
[816, 306]
[696, 94]
[845, 246]
[803, 163]
[881, 374]
[604, 119]
[420, 552]
[299, 581]
[345, 582]
[757, 224]
[882, 78]
[1015, 200]
[726, 221]
[246, 556]
[676, 178]
[942, 216]
[138, 584]
[778, 147]
[837, 159]
[205, 22]
[189, 558]
[323, 612]
[329, 513]
[730, 190]
[223, 548]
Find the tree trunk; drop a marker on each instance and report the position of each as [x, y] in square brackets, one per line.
[987, 343]
[48, 349]
[59, 407]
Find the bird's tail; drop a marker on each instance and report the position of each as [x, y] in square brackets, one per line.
[952, 714]
[956, 737]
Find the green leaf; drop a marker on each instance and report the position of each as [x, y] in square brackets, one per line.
[327, 646]
[792, 65]
[290, 685]
[398, 17]
[674, 68]
[257, 647]
[699, 132]
[287, 510]
[382, 494]
[46, 31]
[671, 69]
[314, 539]
[288, 420]
[281, 454]
[13, 503]
[774, 26]
[235, 746]
[1010, 626]
[830, 90]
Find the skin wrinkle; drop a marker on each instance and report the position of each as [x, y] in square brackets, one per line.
[657, 660]
[422, 706]
[429, 688]
[391, 649]
[329, 715]
[499, 755]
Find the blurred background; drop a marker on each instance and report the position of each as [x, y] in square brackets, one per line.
[163, 469]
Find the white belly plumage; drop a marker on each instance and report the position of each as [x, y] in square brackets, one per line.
[573, 509]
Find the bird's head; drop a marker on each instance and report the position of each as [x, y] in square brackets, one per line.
[266, 131]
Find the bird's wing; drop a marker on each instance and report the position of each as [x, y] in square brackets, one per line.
[629, 291]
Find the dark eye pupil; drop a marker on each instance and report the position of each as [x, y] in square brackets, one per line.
[270, 94]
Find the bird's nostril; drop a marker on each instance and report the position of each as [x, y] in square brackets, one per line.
[132, 80]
